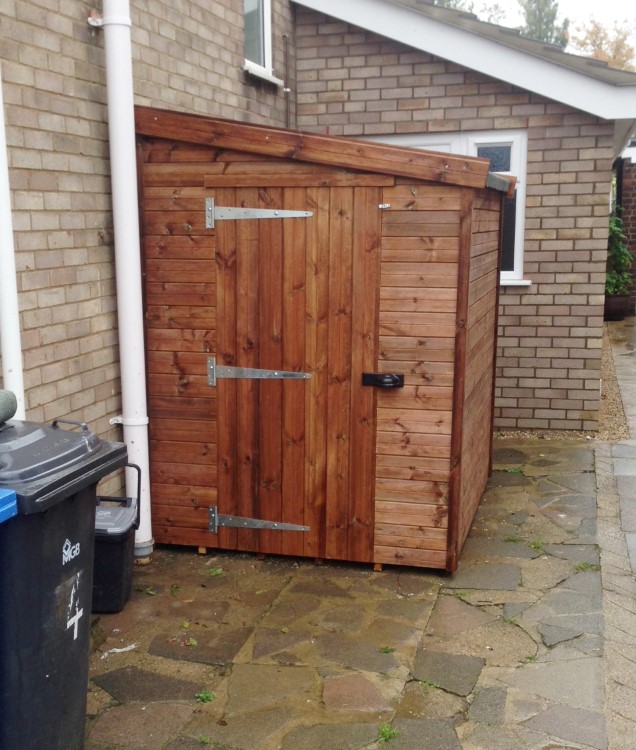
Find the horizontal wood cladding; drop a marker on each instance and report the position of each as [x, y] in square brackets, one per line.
[480, 358]
[417, 326]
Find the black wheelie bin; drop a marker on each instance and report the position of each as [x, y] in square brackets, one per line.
[46, 575]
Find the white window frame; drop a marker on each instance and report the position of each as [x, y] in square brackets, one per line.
[468, 143]
[254, 68]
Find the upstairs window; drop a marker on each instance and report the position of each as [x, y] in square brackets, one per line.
[258, 39]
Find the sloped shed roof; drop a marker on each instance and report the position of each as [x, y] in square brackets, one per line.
[321, 149]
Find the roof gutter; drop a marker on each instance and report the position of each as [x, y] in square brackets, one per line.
[116, 24]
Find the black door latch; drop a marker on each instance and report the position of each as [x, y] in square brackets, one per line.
[383, 379]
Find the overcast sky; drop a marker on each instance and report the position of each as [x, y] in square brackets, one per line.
[580, 11]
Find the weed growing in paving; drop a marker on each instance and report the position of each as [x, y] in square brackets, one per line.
[386, 732]
[205, 696]
[584, 567]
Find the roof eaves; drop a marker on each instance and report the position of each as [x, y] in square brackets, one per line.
[496, 51]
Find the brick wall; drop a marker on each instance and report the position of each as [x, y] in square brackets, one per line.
[357, 84]
[187, 56]
[629, 216]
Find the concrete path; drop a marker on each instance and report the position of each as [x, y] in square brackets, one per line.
[616, 479]
[531, 645]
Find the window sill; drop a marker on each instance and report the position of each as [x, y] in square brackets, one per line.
[515, 282]
[262, 73]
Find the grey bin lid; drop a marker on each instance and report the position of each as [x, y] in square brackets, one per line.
[45, 463]
[115, 519]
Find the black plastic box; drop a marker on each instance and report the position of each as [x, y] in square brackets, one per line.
[115, 523]
[46, 571]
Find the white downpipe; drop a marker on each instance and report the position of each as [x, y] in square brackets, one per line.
[10, 344]
[123, 164]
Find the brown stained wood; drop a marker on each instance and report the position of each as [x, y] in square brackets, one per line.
[165, 534]
[183, 223]
[421, 537]
[183, 248]
[398, 348]
[365, 309]
[198, 295]
[411, 514]
[193, 386]
[182, 516]
[370, 157]
[174, 199]
[412, 491]
[270, 276]
[416, 324]
[463, 280]
[246, 482]
[418, 397]
[163, 151]
[316, 348]
[291, 179]
[410, 467]
[339, 377]
[410, 557]
[203, 452]
[171, 340]
[293, 326]
[187, 474]
[190, 496]
[193, 363]
[434, 199]
[226, 354]
[392, 275]
[183, 430]
[433, 422]
[180, 316]
[420, 372]
[414, 444]
[182, 271]
[416, 244]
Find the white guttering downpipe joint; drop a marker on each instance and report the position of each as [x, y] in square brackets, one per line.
[116, 24]
[10, 343]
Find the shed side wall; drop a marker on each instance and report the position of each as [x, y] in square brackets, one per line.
[479, 359]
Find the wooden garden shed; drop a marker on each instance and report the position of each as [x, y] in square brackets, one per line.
[320, 332]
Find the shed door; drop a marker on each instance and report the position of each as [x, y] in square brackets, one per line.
[300, 295]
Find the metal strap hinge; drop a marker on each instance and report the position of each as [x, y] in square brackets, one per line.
[217, 372]
[214, 213]
[217, 519]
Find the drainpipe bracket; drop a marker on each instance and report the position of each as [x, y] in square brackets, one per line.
[129, 421]
[95, 19]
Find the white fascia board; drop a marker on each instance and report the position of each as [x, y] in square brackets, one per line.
[484, 55]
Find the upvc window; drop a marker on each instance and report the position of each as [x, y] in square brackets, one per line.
[258, 39]
[507, 151]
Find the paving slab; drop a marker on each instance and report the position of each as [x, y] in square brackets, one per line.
[489, 706]
[331, 736]
[130, 684]
[415, 734]
[455, 673]
[572, 725]
[486, 576]
[581, 681]
[139, 726]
